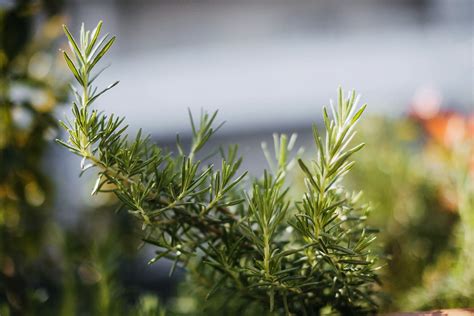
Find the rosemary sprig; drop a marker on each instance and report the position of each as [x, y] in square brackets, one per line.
[293, 256]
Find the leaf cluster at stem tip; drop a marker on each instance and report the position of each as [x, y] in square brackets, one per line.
[243, 239]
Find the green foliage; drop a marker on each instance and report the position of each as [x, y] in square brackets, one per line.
[44, 268]
[409, 177]
[259, 246]
[29, 93]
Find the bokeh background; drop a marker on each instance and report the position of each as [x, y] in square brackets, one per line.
[268, 66]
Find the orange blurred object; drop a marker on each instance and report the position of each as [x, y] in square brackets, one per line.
[446, 131]
[445, 127]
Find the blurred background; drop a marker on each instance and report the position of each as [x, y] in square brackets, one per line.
[268, 66]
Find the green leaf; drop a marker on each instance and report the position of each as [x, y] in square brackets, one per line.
[93, 98]
[94, 36]
[102, 52]
[73, 68]
[358, 114]
[72, 41]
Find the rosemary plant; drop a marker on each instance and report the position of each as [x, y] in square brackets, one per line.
[258, 245]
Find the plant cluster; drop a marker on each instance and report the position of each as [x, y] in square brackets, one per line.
[29, 93]
[418, 173]
[238, 235]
